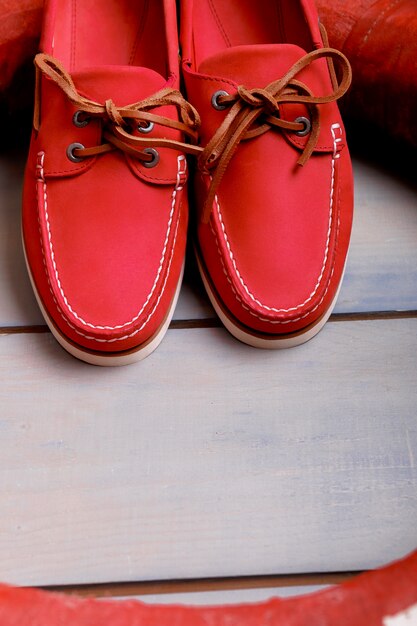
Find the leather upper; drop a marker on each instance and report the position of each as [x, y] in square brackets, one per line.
[105, 236]
[275, 246]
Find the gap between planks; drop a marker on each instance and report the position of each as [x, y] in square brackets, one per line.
[216, 323]
[125, 589]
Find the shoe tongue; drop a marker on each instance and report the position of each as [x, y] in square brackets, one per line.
[253, 66]
[123, 85]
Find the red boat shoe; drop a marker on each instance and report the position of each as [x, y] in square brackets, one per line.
[104, 209]
[273, 185]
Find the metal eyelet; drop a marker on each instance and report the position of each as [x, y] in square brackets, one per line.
[80, 119]
[70, 152]
[215, 100]
[147, 127]
[307, 126]
[155, 159]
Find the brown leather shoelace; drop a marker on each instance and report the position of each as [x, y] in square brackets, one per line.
[249, 106]
[120, 121]
[253, 112]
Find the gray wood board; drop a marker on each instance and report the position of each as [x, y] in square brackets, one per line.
[381, 273]
[209, 458]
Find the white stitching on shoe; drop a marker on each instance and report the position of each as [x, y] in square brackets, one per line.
[265, 319]
[336, 140]
[336, 155]
[181, 176]
[135, 332]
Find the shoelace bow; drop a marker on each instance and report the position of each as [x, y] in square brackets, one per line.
[118, 121]
[248, 105]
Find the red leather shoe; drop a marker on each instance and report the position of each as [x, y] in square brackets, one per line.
[104, 209]
[274, 184]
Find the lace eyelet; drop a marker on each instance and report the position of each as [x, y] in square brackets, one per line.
[80, 119]
[70, 152]
[215, 100]
[307, 126]
[146, 127]
[155, 159]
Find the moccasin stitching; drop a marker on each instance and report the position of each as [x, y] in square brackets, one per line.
[178, 187]
[265, 319]
[336, 155]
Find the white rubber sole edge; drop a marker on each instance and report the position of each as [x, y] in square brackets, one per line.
[279, 343]
[110, 360]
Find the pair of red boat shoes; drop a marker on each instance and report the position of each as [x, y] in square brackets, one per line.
[105, 207]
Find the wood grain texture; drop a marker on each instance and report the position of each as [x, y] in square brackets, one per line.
[209, 458]
[381, 273]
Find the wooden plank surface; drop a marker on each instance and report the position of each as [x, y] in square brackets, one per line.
[209, 458]
[381, 273]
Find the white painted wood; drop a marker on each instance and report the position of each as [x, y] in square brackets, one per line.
[381, 272]
[209, 458]
[403, 618]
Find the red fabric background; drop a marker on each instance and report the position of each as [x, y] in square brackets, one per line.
[380, 39]
[20, 25]
[378, 36]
